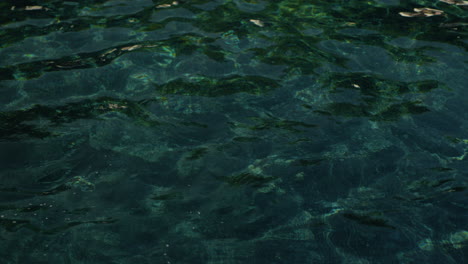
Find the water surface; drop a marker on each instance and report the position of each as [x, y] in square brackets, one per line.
[233, 131]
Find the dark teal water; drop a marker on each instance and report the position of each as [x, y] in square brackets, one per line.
[233, 131]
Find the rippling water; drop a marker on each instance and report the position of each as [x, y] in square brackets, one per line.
[233, 131]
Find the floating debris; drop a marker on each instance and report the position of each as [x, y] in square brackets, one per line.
[163, 6]
[130, 48]
[422, 12]
[32, 8]
[174, 3]
[429, 11]
[112, 106]
[349, 24]
[108, 52]
[116, 106]
[257, 22]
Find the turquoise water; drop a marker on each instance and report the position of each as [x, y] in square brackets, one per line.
[233, 131]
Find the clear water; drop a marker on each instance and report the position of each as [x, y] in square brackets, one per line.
[233, 131]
